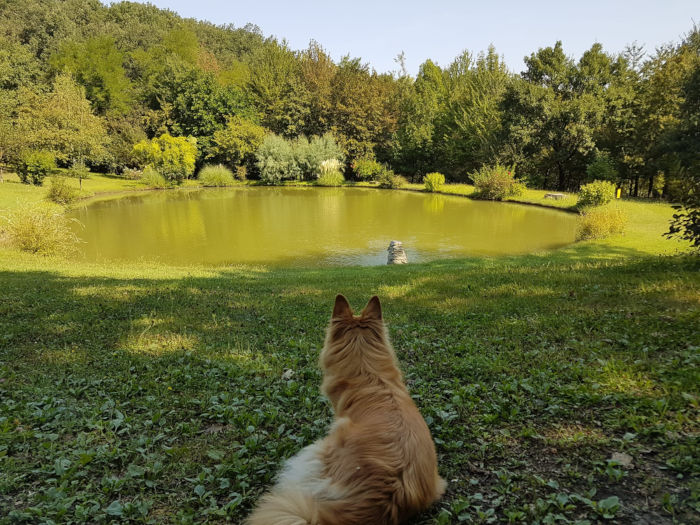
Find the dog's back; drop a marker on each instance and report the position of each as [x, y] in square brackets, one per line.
[378, 463]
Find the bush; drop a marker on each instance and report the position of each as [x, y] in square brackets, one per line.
[236, 143]
[496, 183]
[596, 193]
[602, 168]
[241, 173]
[216, 176]
[310, 154]
[172, 157]
[153, 179]
[132, 173]
[78, 170]
[334, 178]
[367, 168]
[276, 161]
[434, 181]
[42, 229]
[61, 192]
[388, 179]
[33, 166]
[597, 223]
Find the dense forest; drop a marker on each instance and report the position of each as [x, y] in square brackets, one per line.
[87, 82]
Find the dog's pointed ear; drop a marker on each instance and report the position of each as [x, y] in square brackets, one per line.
[341, 309]
[373, 310]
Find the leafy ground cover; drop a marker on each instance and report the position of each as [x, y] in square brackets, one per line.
[560, 387]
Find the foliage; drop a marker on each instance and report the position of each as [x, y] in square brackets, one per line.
[433, 181]
[330, 166]
[236, 144]
[496, 183]
[97, 65]
[60, 191]
[153, 179]
[216, 176]
[33, 166]
[330, 178]
[172, 157]
[686, 221]
[388, 179]
[367, 168]
[596, 193]
[329, 173]
[41, 229]
[310, 154]
[276, 160]
[60, 121]
[78, 170]
[602, 168]
[601, 222]
[132, 174]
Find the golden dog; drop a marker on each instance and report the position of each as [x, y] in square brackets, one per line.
[378, 465]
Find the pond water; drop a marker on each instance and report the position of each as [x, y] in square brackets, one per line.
[299, 226]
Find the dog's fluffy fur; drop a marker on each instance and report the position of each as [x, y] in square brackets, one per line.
[377, 466]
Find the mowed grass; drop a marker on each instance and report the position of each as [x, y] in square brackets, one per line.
[149, 393]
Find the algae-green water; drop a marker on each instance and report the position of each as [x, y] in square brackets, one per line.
[302, 226]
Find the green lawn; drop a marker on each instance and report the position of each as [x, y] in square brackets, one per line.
[151, 393]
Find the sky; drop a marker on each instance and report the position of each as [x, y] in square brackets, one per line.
[377, 31]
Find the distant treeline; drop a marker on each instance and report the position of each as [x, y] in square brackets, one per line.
[87, 82]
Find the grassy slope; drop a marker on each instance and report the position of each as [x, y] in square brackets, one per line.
[155, 393]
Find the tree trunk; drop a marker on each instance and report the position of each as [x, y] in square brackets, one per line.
[560, 183]
[651, 186]
[636, 186]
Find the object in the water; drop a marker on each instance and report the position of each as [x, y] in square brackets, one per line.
[397, 255]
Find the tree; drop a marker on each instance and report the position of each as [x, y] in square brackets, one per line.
[550, 120]
[172, 157]
[61, 121]
[686, 138]
[237, 143]
[97, 65]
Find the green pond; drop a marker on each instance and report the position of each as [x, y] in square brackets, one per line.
[299, 226]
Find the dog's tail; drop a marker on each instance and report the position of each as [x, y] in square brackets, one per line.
[288, 507]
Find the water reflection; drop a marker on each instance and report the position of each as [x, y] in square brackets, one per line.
[310, 226]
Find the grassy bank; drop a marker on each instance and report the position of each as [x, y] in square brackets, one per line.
[155, 394]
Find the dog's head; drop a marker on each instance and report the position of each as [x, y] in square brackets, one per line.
[357, 344]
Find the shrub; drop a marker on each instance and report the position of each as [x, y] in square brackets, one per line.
[241, 173]
[330, 166]
[388, 179]
[132, 173]
[602, 168]
[172, 157]
[153, 179]
[596, 193]
[597, 223]
[236, 143]
[78, 170]
[42, 229]
[496, 183]
[310, 154]
[275, 160]
[216, 176]
[332, 178]
[367, 169]
[33, 166]
[434, 181]
[61, 192]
